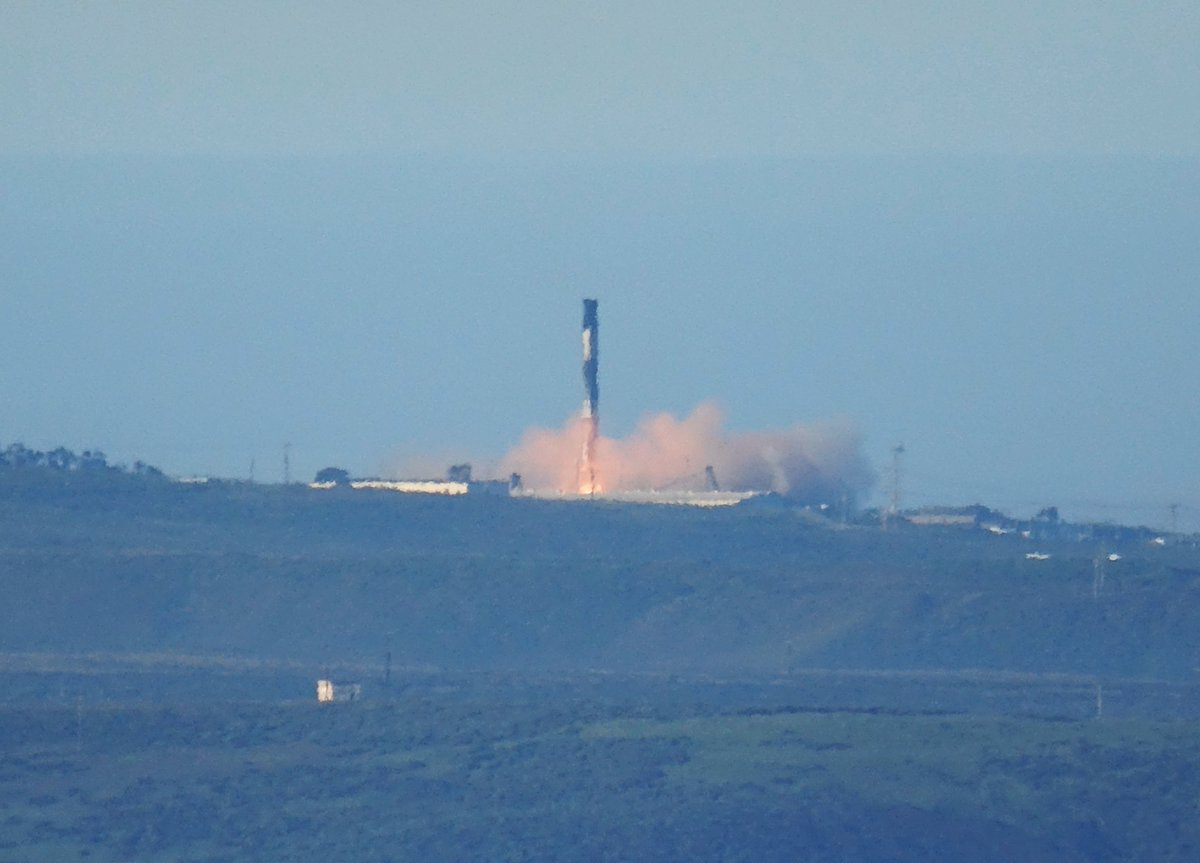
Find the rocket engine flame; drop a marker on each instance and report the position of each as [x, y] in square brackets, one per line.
[810, 463]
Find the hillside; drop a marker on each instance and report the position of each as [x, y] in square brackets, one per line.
[132, 565]
[577, 681]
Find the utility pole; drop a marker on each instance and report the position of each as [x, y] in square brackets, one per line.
[1098, 574]
[1174, 518]
[894, 503]
[287, 464]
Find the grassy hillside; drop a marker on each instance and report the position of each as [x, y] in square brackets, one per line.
[233, 569]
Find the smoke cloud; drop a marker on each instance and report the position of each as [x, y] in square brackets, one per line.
[810, 463]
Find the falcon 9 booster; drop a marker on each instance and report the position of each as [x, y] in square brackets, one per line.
[591, 397]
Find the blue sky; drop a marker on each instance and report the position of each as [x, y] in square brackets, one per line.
[968, 227]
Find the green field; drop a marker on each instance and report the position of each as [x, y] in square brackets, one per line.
[570, 778]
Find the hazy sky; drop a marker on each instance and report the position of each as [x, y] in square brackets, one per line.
[665, 79]
[971, 227]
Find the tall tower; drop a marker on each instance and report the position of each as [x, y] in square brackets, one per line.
[893, 510]
[591, 397]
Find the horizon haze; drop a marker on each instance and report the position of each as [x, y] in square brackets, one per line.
[366, 233]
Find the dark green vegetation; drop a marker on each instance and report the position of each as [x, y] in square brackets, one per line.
[577, 682]
[525, 776]
[17, 459]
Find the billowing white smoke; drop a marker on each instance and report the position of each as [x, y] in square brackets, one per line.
[812, 463]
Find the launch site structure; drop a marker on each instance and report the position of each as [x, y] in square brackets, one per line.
[591, 397]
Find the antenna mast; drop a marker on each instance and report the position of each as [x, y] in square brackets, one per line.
[894, 503]
[897, 451]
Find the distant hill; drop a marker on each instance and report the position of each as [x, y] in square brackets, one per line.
[142, 565]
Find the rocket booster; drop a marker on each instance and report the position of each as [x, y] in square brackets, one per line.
[591, 360]
[591, 398]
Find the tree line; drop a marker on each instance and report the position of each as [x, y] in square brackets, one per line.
[17, 456]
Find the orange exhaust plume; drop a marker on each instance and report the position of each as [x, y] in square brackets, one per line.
[813, 463]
